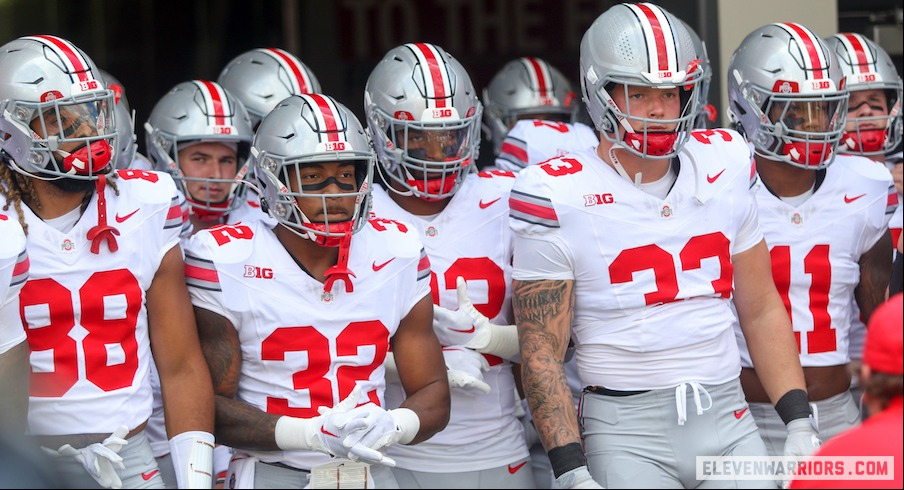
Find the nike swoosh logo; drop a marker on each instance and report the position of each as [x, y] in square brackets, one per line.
[380, 266]
[484, 205]
[150, 474]
[739, 413]
[120, 219]
[849, 200]
[470, 330]
[514, 469]
[714, 177]
[323, 429]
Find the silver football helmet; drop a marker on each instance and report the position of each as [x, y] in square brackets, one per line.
[526, 87]
[866, 66]
[424, 117]
[306, 129]
[640, 45]
[786, 94]
[199, 110]
[705, 111]
[56, 114]
[261, 78]
[126, 139]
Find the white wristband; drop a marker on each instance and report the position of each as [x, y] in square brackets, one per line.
[192, 454]
[293, 433]
[503, 342]
[407, 422]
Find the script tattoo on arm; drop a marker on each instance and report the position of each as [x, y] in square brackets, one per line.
[543, 313]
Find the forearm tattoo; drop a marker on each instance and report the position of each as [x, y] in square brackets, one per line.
[543, 313]
[875, 272]
[220, 345]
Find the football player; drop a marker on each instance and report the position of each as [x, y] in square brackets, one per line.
[635, 249]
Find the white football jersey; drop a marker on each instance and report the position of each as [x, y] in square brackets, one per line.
[303, 348]
[816, 249]
[85, 313]
[533, 141]
[469, 238]
[250, 211]
[13, 274]
[652, 277]
[897, 219]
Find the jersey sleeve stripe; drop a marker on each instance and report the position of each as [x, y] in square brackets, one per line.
[20, 271]
[174, 217]
[892, 203]
[533, 209]
[517, 149]
[423, 266]
[201, 273]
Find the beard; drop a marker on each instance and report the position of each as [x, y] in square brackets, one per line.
[73, 186]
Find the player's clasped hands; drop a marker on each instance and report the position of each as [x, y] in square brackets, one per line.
[357, 433]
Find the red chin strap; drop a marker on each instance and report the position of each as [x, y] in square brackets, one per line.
[434, 187]
[102, 231]
[202, 211]
[808, 154]
[870, 140]
[98, 153]
[654, 145]
[340, 271]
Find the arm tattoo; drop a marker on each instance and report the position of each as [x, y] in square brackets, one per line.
[241, 425]
[543, 313]
[220, 345]
[875, 272]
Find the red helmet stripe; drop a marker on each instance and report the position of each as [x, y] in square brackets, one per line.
[216, 101]
[810, 48]
[659, 38]
[68, 52]
[857, 50]
[300, 80]
[433, 69]
[327, 114]
[540, 72]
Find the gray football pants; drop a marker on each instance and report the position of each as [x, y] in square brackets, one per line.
[636, 441]
[834, 415]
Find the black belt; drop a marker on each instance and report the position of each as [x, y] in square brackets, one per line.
[285, 466]
[599, 390]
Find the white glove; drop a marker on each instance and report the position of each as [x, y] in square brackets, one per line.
[802, 440]
[577, 478]
[322, 433]
[465, 368]
[468, 327]
[384, 428]
[99, 458]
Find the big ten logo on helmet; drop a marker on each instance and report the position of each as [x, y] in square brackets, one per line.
[866, 77]
[333, 146]
[256, 272]
[821, 84]
[223, 130]
[594, 199]
[442, 113]
[85, 86]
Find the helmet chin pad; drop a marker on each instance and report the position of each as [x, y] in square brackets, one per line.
[434, 187]
[96, 153]
[344, 227]
[868, 140]
[808, 154]
[652, 144]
